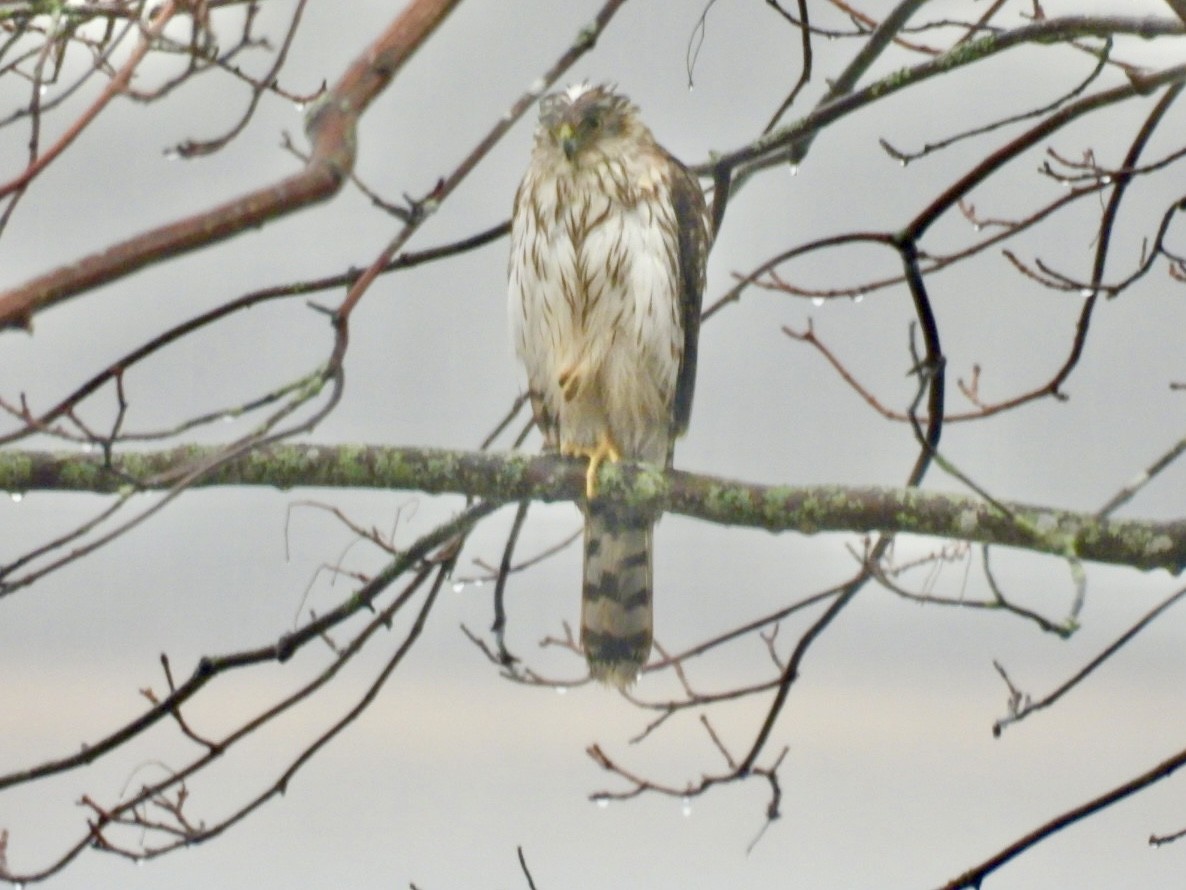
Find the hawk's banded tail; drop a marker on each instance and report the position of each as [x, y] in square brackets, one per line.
[616, 612]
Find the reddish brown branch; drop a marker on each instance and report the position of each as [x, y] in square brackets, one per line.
[331, 128]
[868, 21]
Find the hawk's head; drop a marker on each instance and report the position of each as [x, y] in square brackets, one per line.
[584, 116]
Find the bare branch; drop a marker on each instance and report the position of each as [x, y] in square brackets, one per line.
[1025, 705]
[974, 877]
[331, 125]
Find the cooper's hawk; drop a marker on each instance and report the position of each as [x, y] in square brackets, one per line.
[609, 239]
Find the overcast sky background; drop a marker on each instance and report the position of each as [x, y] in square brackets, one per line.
[893, 778]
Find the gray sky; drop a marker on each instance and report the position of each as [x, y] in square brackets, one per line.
[892, 778]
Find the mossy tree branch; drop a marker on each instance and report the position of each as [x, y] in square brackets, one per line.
[1141, 544]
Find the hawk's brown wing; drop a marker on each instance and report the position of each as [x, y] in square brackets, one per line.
[692, 224]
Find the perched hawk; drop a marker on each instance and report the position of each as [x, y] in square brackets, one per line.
[609, 238]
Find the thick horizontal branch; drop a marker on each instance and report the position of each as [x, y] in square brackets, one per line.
[515, 476]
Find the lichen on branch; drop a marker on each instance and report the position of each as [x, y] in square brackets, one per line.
[516, 476]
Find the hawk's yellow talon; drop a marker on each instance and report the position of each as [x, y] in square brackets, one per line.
[605, 448]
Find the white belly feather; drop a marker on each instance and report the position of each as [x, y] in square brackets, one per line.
[593, 281]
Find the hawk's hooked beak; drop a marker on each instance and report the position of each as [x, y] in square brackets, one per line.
[567, 138]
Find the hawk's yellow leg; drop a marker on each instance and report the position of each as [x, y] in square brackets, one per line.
[572, 380]
[605, 448]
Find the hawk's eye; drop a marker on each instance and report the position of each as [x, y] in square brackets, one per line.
[593, 122]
